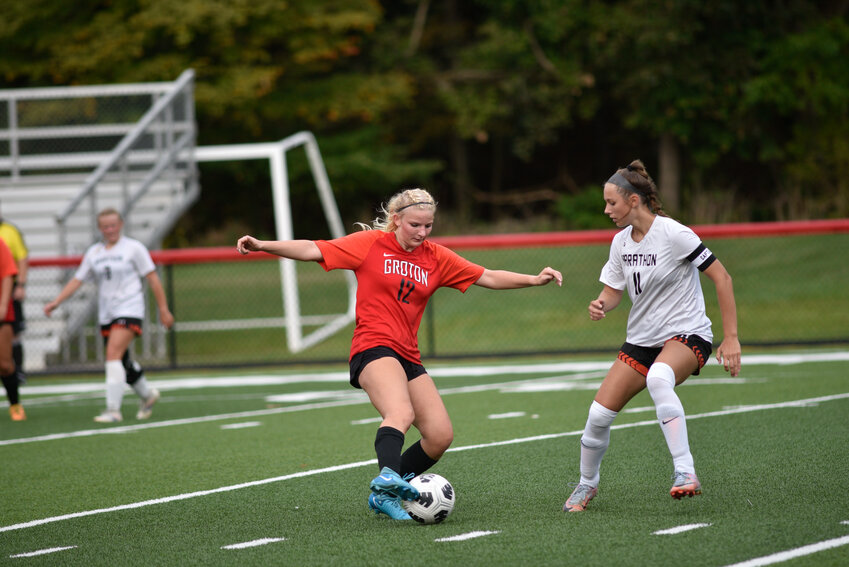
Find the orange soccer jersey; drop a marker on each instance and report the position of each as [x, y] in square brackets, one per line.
[393, 285]
[7, 268]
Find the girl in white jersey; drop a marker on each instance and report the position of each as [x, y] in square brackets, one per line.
[118, 264]
[669, 335]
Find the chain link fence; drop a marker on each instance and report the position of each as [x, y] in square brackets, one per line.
[789, 291]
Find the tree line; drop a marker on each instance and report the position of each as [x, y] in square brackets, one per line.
[508, 110]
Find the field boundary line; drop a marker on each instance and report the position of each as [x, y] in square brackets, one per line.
[583, 370]
[186, 496]
[349, 397]
[783, 556]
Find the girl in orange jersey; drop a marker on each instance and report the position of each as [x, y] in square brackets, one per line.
[397, 271]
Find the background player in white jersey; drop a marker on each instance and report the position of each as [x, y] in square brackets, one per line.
[118, 264]
[669, 335]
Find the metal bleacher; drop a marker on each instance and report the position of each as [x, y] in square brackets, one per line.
[67, 153]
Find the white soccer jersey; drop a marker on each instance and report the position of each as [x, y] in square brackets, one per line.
[661, 273]
[118, 272]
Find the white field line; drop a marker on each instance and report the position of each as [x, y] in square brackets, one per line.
[730, 411]
[680, 529]
[242, 425]
[254, 543]
[508, 415]
[367, 420]
[470, 535]
[183, 421]
[43, 551]
[186, 496]
[206, 382]
[642, 409]
[794, 553]
[344, 398]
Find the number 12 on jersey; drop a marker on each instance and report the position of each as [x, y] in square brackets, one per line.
[408, 286]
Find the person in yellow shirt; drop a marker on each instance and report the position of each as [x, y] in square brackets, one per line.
[14, 240]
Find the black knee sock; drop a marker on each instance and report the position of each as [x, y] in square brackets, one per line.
[10, 382]
[133, 368]
[387, 445]
[18, 356]
[415, 460]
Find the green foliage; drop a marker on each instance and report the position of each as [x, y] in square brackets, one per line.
[810, 103]
[483, 96]
[583, 211]
[521, 74]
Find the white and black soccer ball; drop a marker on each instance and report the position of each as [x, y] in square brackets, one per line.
[435, 502]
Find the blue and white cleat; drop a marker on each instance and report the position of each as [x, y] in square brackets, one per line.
[389, 505]
[390, 483]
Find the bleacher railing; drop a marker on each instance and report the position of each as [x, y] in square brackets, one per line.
[159, 148]
[68, 152]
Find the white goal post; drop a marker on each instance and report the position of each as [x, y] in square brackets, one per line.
[275, 152]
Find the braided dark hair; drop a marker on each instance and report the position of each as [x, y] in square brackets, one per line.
[635, 173]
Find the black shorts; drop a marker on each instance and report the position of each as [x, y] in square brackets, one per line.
[131, 323]
[361, 359]
[640, 358]
[19, 324]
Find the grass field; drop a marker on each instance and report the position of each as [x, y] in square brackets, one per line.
[272, 468]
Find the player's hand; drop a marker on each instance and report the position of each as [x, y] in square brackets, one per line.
[548, 275]
[247, 244]
[596, 309]
[728, 355]
[48, 309]
[166, 318]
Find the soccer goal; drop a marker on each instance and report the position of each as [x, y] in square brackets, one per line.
[275, 152]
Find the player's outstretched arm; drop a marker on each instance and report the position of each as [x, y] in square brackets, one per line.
[305, 250]
[503, 279]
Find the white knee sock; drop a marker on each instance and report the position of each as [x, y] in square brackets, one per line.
[660, 382]
[142, 388]
[594, 442]
[116, 381]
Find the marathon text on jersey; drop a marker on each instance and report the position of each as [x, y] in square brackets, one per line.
[108, 258]
[639, 259]
[406, 269]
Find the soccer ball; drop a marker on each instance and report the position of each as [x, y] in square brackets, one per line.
[436, 499]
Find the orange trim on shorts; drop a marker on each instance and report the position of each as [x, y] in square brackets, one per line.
[134, 328]
[633, 363]
[697, 351]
